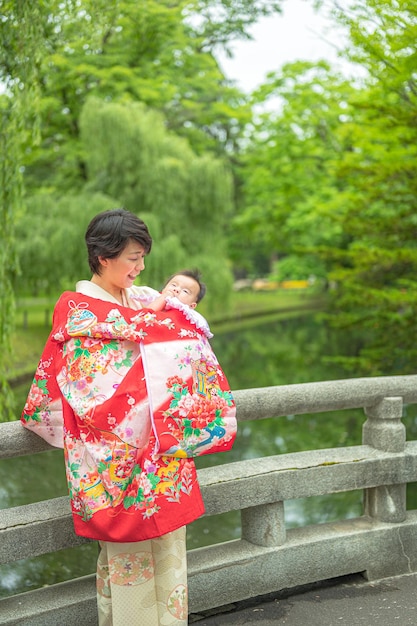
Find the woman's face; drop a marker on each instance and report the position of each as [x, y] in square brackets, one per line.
[121, 272]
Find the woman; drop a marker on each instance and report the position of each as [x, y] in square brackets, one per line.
[131, 395]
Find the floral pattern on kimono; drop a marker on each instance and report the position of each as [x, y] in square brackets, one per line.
[131, 397]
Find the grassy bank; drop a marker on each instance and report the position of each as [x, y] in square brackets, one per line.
[251, 303]
[249, 308]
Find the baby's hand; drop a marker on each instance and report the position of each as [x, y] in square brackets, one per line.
[158, 304]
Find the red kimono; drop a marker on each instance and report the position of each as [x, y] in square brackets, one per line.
[131, 396]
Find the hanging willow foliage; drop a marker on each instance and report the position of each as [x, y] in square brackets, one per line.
[21, 41]
[131, 156]
[25, 30]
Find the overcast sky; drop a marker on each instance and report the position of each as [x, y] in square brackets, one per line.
[298, 33]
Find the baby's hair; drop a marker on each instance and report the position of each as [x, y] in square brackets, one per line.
[196, 275]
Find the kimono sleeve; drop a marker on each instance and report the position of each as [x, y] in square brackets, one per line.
[191, 404]
[42, 412]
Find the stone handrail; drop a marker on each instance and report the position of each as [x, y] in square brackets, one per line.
[267, 557]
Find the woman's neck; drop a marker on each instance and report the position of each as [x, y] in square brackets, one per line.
[115, 292]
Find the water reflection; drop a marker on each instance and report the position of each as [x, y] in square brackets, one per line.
[292, 353]
[48, 569]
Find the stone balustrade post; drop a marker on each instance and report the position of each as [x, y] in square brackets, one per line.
[264, 525]
[384, 430]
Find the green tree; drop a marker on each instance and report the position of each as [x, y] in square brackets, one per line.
[288, 170]
[376, 293]
[18, 126]
[50, 251]
[53, 55]
[158, 53]
[24, 33]
[334, 170]
[132, 160]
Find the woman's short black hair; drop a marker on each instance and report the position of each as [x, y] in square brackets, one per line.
[109, 233]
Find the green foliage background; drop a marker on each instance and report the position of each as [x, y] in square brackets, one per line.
[125, 104]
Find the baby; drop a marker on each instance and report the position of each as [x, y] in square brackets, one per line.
[185, 285]
[183, 290]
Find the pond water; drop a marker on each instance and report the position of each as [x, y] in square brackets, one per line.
[277, 353]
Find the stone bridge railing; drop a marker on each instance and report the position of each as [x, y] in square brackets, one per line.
[380, 543]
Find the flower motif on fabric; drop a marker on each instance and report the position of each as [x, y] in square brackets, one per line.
[140, 491]
[117, 326]
[188, 333]
[166, 478]
[38, 400]
[118, 479]
[37, 407]
[88, 361]
[131, 569]
[178, 603]
[151, 319]
[102, 584]
[196, 417]
[168, 323]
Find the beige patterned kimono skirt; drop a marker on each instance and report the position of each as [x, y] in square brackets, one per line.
[143, 583]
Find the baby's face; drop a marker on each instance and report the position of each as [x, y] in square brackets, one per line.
[184, 288]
